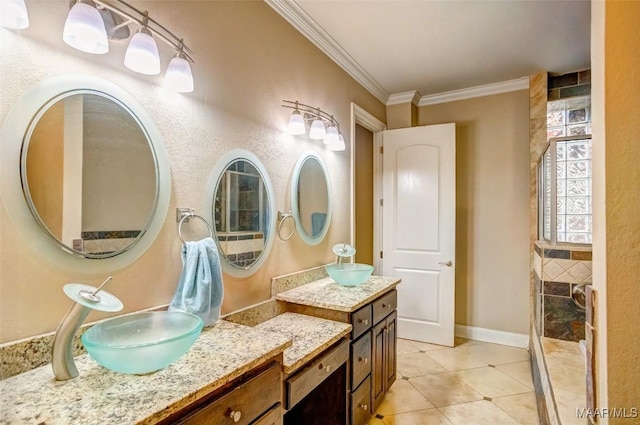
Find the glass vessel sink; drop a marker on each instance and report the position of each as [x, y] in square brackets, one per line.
[143, 342]
[349, 274]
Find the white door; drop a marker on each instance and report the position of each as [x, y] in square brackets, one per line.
[419, 222]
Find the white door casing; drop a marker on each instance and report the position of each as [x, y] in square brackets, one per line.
[419, 218]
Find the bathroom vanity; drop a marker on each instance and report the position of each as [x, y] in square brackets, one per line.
[371, 310]
[321, 354]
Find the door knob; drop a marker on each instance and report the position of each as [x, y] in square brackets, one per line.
[447, 263]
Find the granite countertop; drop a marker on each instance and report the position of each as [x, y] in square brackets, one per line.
[326, 293]
[222, 353]
[310, 335]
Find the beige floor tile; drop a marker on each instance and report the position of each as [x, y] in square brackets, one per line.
[401, 398]
[567, 403]
[520, 371]
[496, 354]
[477, 413]
[417, 364]
[568, 378]
[491, 382]
[445, 389]
[423, 417]
[455, 359]
[405, 346]
[521, 407]
[375, 421]
[425, 346]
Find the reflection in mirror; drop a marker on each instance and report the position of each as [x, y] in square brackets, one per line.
[310, 200]
[242, 212]
[89, 173]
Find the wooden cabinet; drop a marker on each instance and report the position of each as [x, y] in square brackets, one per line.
[372, 359]
[383, 372]
[258, 398]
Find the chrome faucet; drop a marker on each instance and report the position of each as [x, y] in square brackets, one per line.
[343, 251]
[86, 299]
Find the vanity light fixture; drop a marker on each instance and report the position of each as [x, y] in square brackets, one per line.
[92, 23]
[322, 126]
[142, 54]
[84, 29]
[14, 14]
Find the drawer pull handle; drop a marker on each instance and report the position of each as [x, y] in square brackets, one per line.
[326, 368]
[235, 415]
[364, 407]
[363, 359]
[386, 306]
[364, 321]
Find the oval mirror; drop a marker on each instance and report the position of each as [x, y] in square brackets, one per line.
[89, 174]
[92, 172]
[310, 198]
[242, 211]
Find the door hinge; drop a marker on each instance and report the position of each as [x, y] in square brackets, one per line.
[381, 202]
[381, 255]
[381, 150]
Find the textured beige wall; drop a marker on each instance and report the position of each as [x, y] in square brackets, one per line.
[492, 212]
[247, 60]
[400, 116]
[621, 220]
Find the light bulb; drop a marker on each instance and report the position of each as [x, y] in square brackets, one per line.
[337, 145]
[84, 30]
[178, 76]
[332, 135]
[317, 131]
[296, 124]
[14, 14]
[142, 54]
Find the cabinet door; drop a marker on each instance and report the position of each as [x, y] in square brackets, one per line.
[391, 350]
[378, 364]
[272, 417]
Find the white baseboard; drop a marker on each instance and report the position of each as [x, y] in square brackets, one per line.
[494, 336]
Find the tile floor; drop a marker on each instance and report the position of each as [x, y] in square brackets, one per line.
[474, 383]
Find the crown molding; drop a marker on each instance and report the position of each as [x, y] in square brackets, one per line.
[301, 21]
[406, 97]
[478, 91]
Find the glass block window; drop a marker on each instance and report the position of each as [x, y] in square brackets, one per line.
[569, 117]
[565, 191]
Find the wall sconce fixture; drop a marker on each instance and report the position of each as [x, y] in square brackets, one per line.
[322, 126]
[91, 24]
[13, 14]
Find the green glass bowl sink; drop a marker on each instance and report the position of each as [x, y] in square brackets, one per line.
[143, 342]
[349, 274]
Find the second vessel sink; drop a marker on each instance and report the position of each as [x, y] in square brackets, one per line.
[143, 342]
[349, 274]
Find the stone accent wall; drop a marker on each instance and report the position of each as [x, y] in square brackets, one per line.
[569, 85]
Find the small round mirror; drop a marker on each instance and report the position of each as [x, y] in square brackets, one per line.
[310, 200]
[242, 208]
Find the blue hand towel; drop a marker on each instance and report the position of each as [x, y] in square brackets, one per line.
[200, 289]
[317, 223]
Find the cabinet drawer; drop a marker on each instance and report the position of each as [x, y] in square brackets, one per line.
[272, 417]
[361, 403]
[303, 382]
[243, 404]
[361, 321]
[385, 305]
[360, 359]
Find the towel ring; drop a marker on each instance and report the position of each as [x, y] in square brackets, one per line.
[190, 215]
[282, 217]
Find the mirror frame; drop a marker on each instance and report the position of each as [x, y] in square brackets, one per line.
[309, 240]
[216, 174]
[17, 126]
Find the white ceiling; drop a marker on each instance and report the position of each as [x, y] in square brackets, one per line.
[429, 46]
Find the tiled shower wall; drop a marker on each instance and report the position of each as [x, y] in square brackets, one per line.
[557, 272]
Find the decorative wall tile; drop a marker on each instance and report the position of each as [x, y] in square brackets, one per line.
[557, 253]
[569, 271]
[537, 264]
[563, 319]
[557, 288]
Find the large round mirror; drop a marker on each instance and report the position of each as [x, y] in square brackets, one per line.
[85, 175]
[89, 173]
[310, 198]
[242, 211]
